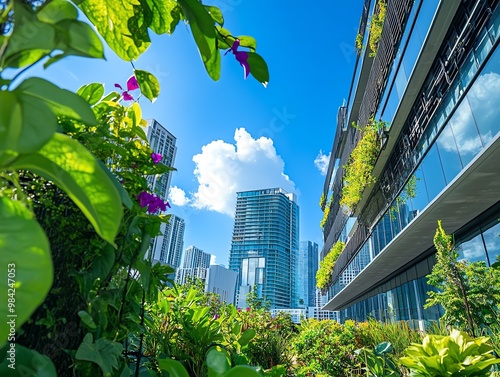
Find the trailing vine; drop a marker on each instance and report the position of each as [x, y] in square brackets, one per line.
[326, 266]
[322, 201]
[326, 212]
[376, 25]
[358, 43]
[358, 170]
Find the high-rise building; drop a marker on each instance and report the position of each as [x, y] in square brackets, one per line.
[264, 246]
[195, 264]
[167, 248]
[434, 78]
[161, 142]
[307, 266]
[222, 281]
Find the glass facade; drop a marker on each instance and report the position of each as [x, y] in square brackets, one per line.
[463, 126]
[307, 266]
[265, 245]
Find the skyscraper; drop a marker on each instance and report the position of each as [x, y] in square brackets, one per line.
[434, 79]
[167, 248]
[194, 264]
[162, 142]
[264, 246]
[307, 266]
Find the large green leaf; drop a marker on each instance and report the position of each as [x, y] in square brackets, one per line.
[10, 131]
[111, 19]
[75, 170]
[57, 10]
[173, 367]
[217, 363]
[30, 39]
[166, 14]
[28, 363]
[242, 371]
[258, 68]
[103, 352]
[216, 14]
[62, 102]
[202, 27]
[150, 87]
[92, 93]
[77, 38]
[26, 265]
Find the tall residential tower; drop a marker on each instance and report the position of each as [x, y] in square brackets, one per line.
[265, 246]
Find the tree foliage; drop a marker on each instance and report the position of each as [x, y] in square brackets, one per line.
[468, 292]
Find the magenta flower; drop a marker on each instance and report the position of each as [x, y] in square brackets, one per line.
[239, 309]
[216, 316]
[241, 57]
[132, 84]
[151, 201]
[156, 157]
[248, 309]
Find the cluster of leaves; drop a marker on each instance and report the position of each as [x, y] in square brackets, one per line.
[326, 348]
[326, 266]
[322, 201]
[469, 292]
[358, 43]
[379, 361]
[326, 212]
[376, 25]
[454, 355]
[358, 170]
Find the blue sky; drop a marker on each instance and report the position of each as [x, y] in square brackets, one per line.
[234, 134]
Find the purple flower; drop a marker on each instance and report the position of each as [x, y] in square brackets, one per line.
[239, 309]
[156, 157]
[132, 84]
[241, 57]
[216, 316]
[151, 201]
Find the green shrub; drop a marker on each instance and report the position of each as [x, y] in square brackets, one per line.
[326, 348]
[454, 355]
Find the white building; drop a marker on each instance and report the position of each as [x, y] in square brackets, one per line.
[221, 281]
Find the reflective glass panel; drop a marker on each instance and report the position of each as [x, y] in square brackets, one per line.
[433, 173]
[472, 249]
[449, 154]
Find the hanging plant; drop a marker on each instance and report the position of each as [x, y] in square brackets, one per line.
[376, 25]
[409, 192]
[326, 266]
[358, 170]
[322, 201]
[358, 43]
[326, 213]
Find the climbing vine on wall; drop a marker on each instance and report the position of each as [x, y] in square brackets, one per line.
[327, 265]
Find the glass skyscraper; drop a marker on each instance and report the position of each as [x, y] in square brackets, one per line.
[265, 244]
[435, 82]
[307, 266]
[167, 248]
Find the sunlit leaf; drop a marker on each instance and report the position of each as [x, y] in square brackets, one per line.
[258, 68]
[27, 264]
[92, 93]
[110, 18]
[166, 14]
[87, 319]
[202, 27]
[76, 171]
[217, 363]
[150, 87]
[216, 14]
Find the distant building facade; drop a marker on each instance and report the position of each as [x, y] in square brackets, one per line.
[264, 246]
[221, 281]
[167, 248]
[161, 142]
[195, 264]
[307, 266]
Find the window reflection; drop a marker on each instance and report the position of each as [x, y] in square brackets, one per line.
[466, 133]
[449, 154]
[492, 241]
[472, 250]
[433, 173]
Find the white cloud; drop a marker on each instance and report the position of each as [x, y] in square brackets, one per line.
[321, 162]
[177, 196]
[222, 169]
